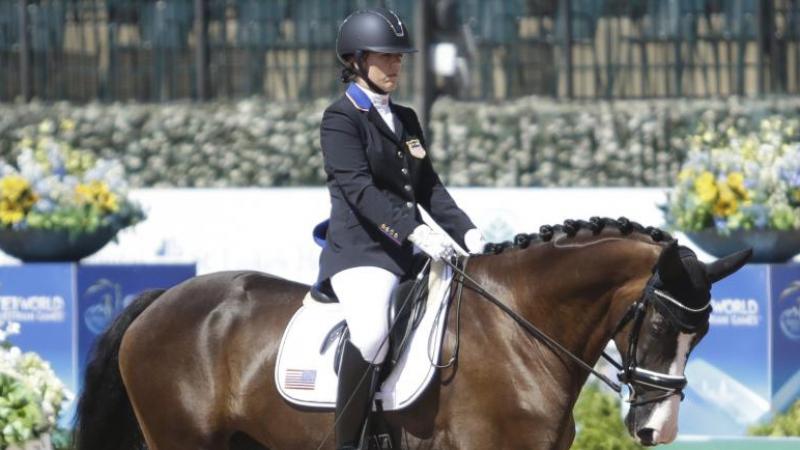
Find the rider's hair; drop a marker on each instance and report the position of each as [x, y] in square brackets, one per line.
[349, 72]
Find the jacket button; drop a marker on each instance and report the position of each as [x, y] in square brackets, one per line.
[409, 205]
[407, 188]
[399, 154]
[404, 170]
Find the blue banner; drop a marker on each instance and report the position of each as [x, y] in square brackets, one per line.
[41, 298]
[105, 290]
[785, 335]
[748, 366]
[63, 307]
[728, 372]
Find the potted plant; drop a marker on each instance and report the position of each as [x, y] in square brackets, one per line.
[31, 396]
[59, 203]
[741, 188]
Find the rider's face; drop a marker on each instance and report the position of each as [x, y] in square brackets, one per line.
[384, 69]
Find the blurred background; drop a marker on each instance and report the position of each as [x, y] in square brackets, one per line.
[189, 130]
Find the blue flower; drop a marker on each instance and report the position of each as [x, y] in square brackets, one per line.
[759, 213]
[791, 176]
[45, 205]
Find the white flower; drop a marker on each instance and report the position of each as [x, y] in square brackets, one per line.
[13, 328]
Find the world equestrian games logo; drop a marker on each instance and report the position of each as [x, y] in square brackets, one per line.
[108, 302]
[789, 318]
[33, 308]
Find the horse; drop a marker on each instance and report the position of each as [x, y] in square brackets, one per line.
[191, 367]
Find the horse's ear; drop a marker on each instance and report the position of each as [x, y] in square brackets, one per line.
[725, 266]
[669, 265]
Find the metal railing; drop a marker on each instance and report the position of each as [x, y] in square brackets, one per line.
[151, 50]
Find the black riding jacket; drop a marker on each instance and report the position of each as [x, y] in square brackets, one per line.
[376, 177]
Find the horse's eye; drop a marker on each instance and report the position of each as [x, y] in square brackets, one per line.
[659, 327]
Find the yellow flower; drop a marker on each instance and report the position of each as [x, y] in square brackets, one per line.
[46, 126]
[10, 214]
[736, 184]
[705, 187]
[726, 202]
[749, 148]
[16, 190]
[98, 194]
[16, 199]
[26, 142]
[67, 125]
[685, 174]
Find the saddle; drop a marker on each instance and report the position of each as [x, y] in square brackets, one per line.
[310, 351]
[406, 309]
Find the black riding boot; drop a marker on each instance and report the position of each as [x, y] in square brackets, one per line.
[351, 419]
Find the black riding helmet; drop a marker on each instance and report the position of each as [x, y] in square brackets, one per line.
[371, 30]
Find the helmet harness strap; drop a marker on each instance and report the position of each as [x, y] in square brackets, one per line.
[361, 68]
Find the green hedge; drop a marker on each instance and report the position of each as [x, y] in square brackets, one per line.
[782, 425]
[599, 423]
[526, 142]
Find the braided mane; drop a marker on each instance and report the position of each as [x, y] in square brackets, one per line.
[571, 227]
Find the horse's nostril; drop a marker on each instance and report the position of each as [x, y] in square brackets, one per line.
[646, 436]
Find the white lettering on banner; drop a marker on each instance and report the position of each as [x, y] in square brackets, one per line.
[35, 308]
[737, 312]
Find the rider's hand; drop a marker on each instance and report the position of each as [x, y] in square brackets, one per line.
[432, 243]
[474, 241]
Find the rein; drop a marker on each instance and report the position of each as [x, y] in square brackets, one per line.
[630, 374]
[531, 328]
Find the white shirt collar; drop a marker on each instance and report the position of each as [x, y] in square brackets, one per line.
[379, 101]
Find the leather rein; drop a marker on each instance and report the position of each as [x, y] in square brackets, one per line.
[629, 374]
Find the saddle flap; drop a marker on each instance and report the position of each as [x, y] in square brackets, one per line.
[305, 373]
[405, 311]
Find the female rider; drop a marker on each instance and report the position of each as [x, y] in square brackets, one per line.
[378, 171]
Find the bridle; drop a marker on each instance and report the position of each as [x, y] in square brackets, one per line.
[629, 374]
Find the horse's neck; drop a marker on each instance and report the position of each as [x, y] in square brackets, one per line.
[575, 296]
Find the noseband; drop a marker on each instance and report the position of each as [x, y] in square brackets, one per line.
[633, 375]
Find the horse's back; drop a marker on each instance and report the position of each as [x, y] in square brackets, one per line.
[198, 344]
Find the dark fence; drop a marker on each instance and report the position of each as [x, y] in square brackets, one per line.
[149, 50]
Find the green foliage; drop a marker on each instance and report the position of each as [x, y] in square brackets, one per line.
[786, 424]
[525, 142]
[20, 414]
[597, 418]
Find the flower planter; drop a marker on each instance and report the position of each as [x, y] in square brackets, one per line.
[39, 245]
[769, 246]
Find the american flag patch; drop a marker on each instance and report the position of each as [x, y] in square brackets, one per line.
[300, 379]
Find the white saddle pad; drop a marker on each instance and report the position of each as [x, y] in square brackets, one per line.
[305, 377]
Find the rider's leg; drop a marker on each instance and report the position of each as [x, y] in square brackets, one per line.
[364, 293]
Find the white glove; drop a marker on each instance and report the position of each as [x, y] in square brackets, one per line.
[431, 242]
[474, 241]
